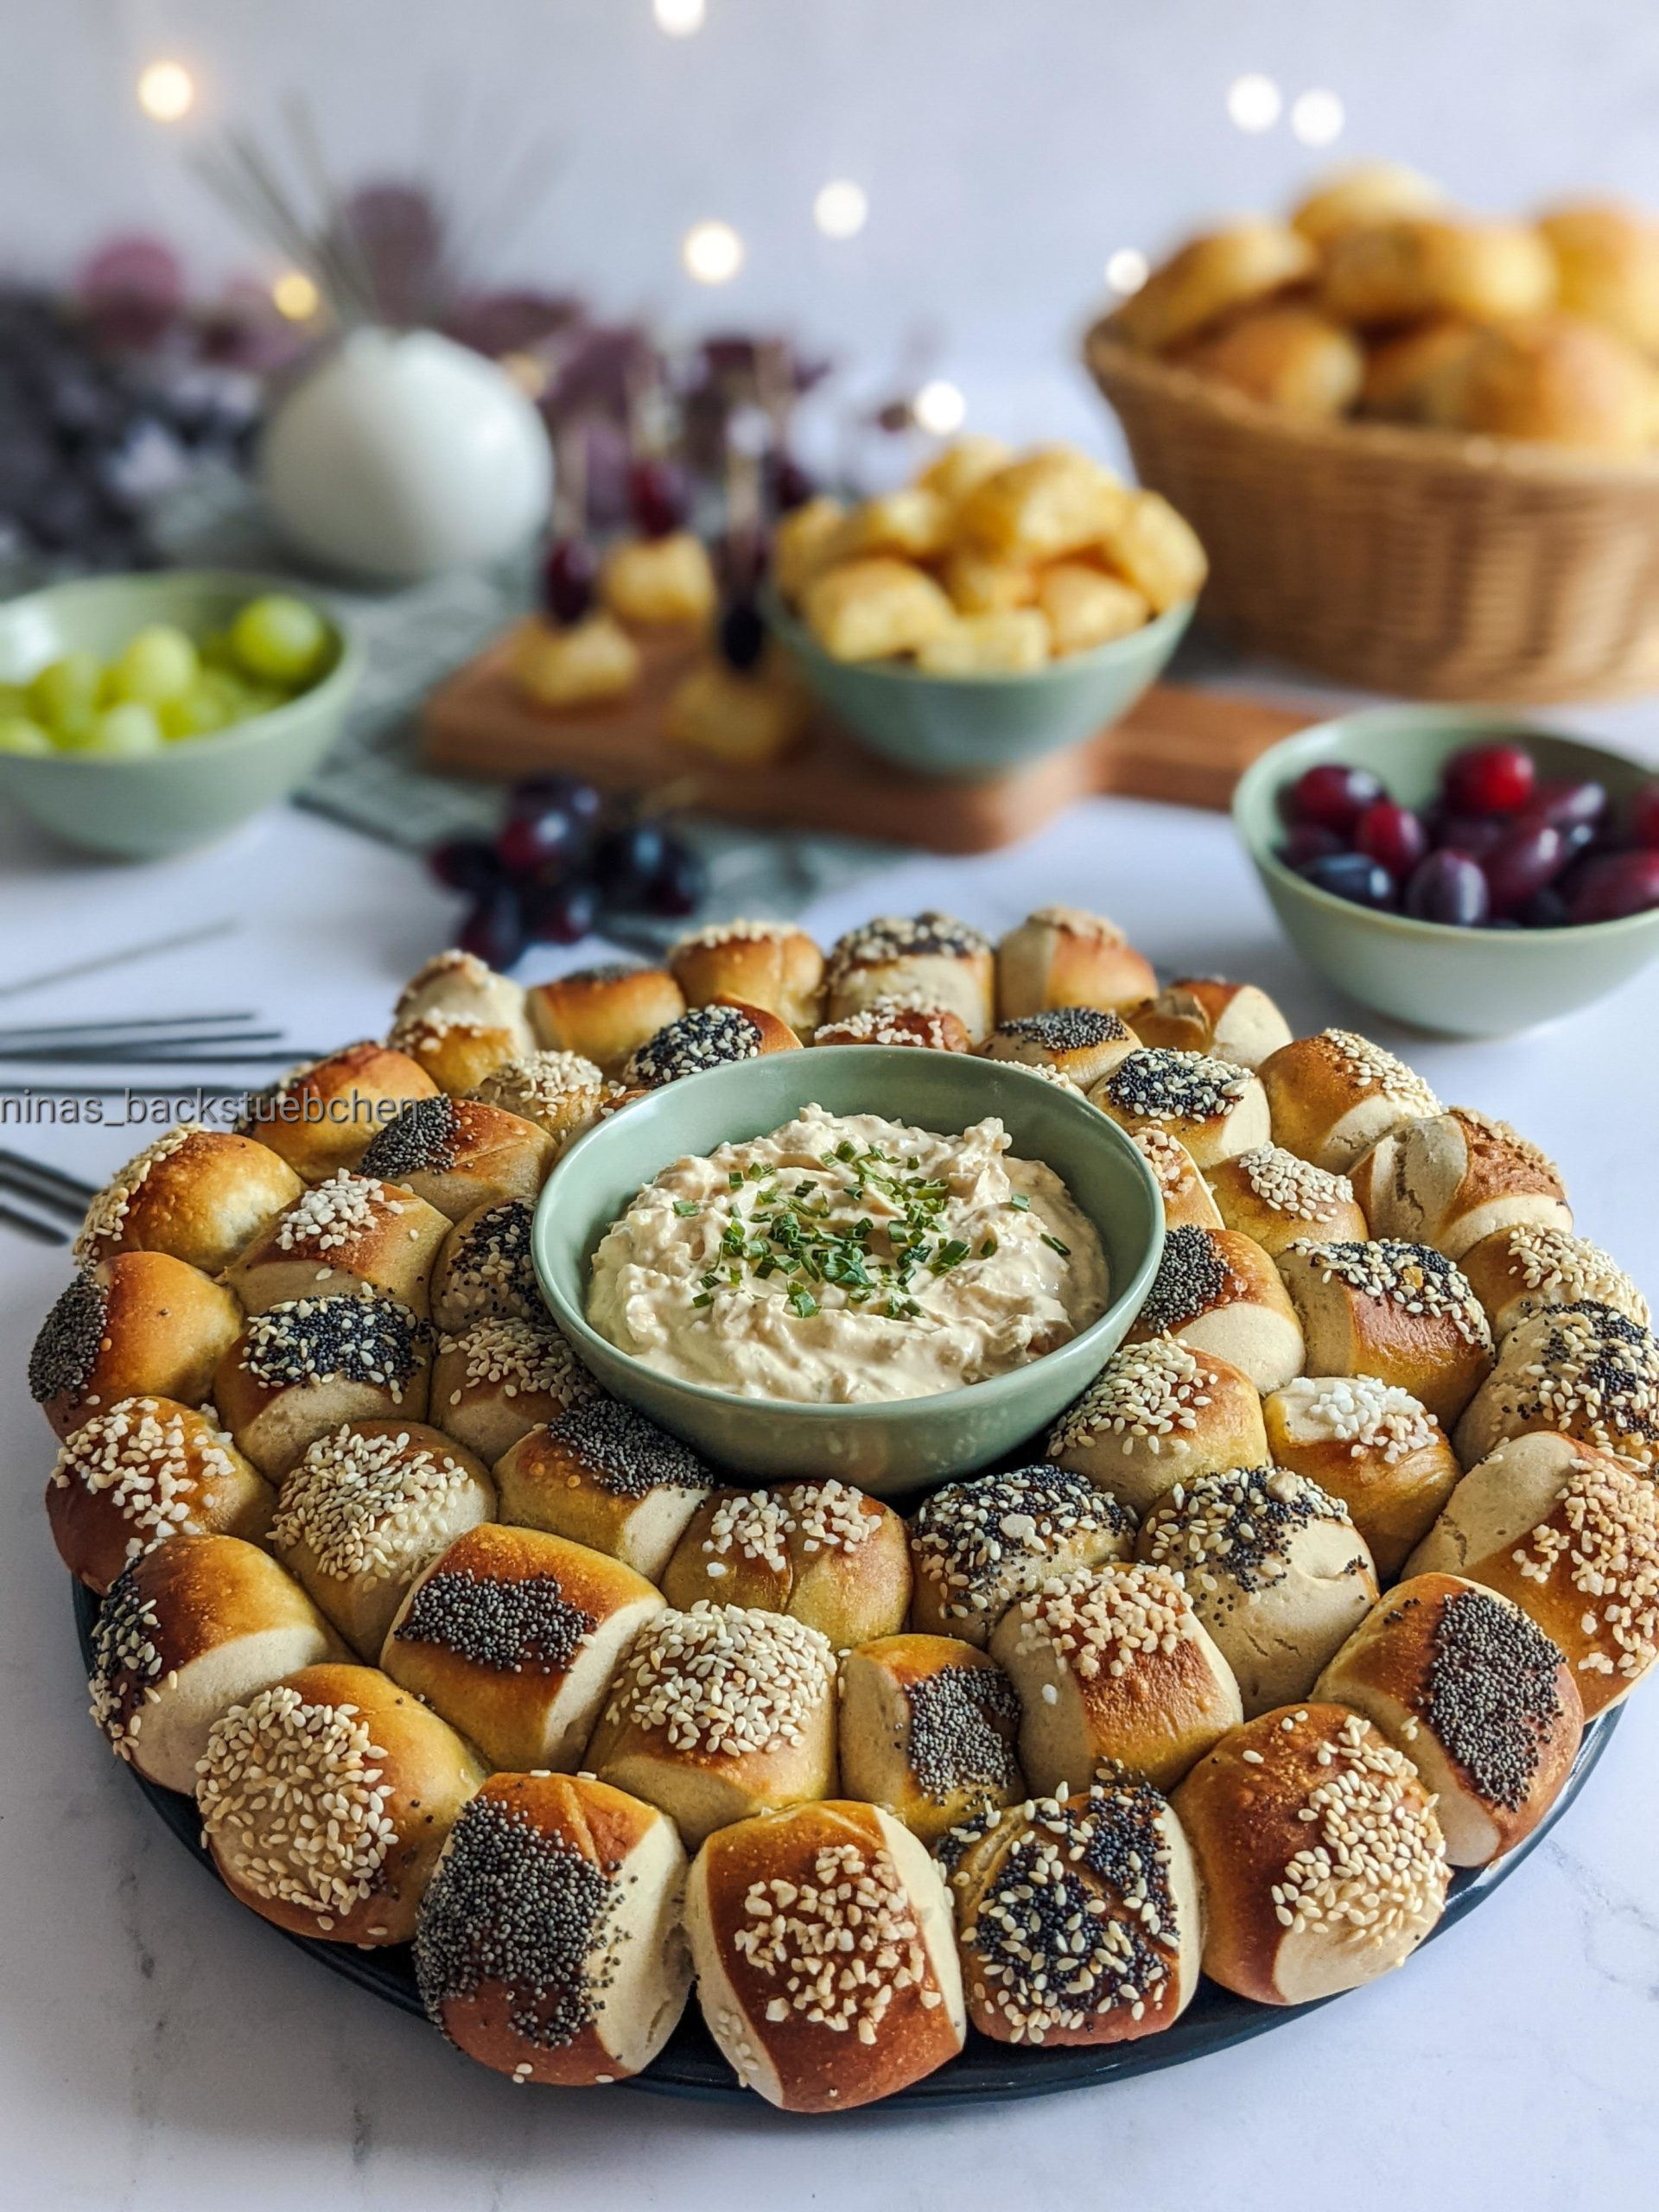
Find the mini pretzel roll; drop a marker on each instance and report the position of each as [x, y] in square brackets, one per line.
[326, 1800]
[143, 1324]
[145, 1471]
[601, 1474]
[559, 1092]
[825, 1963]
[298, 1370]
[351, 1234]
[821, 1551]
[1333, 1096]
[455, 1050]
[718, 1714]
[1219, 1292]
[1084, 1042]
[1275, 1569]
[1188, 1201]
[1215, 1108]
[1113, 1662]
[1212, 275]
[1238, 1022]
[1572, 1535]
[188, 1632]
[201, 1195]
[1476, 1696]
[484, 1270]
[603, 1014]
[1080, 1919]
[1321, 1860]
[549, 1945]
[1272, 1196]
[1456, 1178]
[927, 1728]
[1400, 1311]
[928, 959]
[1518, 1272]
[458, 1154]
[979, 1545]
[515, 1637]
[496, 1381]
[706, 1037]
[1373, 1446]
[365, 1511]
[1581, 1370]
[896, 1021]
[322, 1118]
[770, 964]
[1158, 1415]
[1064, 956]
[459, 986]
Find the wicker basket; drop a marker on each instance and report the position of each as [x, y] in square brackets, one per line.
[1423, 562]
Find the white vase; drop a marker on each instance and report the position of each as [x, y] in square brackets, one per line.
[403, 455]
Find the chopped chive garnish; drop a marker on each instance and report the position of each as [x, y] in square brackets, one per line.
[1054, 1244]
[686, 1207]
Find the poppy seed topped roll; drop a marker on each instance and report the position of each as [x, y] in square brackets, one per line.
[706, 1037]
[1159, 1413]
[459, 1155]
[1220, 1293]
[979, 1545]
[141, 1325]
[601, 1474]
[484, 1268]
[299, 1369]
[1084, 1042]
[1215, 1108]
[931, 959]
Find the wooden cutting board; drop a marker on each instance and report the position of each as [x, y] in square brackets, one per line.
[1180, 744]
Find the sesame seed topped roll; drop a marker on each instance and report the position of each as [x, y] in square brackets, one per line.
[1062, 956]
[821, 1551]
[706, 1037]
[495, 1381]
[458, 1154]
[299, 1369]
[202, 1195]
[352, 1233]
[1159, 1414]
[560, 1093]
[1084, 1042]
[979, 1545]
[1373, 1446]
[1333, 1096]
[1187, 1198]
[484, 1270]
[1201, 1013]
[931, 959]
[1219, 1292]
[1401, 1313]
[1113, 1662]
[1215, 1108]
[601, 1474]
[825, 1961]
[1516, 1272]
[459, 984]
[1582, 1371]
[549, 1945]
[1456, 1176]
[324, 1117]
[1322, 1862]
[604, 1012]
[1079, 1918]
[326, 1800]
[927, 1730]
[1476, 1696]
[896, 1021]
[1271, 1195]
[141, 1325]
[457, 1049]
[770, 964]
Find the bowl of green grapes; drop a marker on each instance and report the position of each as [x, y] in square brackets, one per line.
[148, 715]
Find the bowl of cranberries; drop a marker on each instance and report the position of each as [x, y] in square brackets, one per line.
[1456, 869]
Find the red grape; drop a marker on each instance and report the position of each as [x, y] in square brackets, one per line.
[1448, 887]
[529, 843]
[1392, 835]
[577, 799]
[494, 931]
[657, 496]
[1615, 884]
[1473, 834]
[791, 486]
[682, 881]
[1333, 796]
[1489, 778]
[627, 861]
[1644, 816]
[569, 572]
[560, 914]
[1307, 841]
[1569, 806]
[1363, 882]
[464, 864]
[1522, 863]
[742, 634]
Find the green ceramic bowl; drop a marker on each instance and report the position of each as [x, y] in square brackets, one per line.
[189, 793]
[967, 726]
[1456, 982]
[889, 1449]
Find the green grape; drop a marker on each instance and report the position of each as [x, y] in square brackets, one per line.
[154, 665]
[280, 639]
[127, 731]
[216, 650]
[212, 702]
[65, 692]
[19, 734]
[14, 699]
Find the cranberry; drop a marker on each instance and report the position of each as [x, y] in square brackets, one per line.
[560, 914]
[467, 864]
[1449, 888]
[529, 843]
[1307, 841]
[569, 571]
[656, 497]
[494, 931]
[742, 634]
[1353, 876]
[1489, 778]
[1570, 805]
[1394, 836]
[1615, 884]
[1522, 864]
[1644, 816]
[1333, 796]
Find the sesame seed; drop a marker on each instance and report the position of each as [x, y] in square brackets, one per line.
[840, 1941]
[1370, 1069]
[892, 937]
[894, 1020]
[1415, 1278]
[106, 1215]
[305, 1341]
[521, 1358]
[724, 1681]
[1154, 1389]
[706, 1037]
[334, 1214]
[368, 1507]
[547, 1088]
[1289, 1185]
[983, 1543]
[1154, 1084]
[487, 1269]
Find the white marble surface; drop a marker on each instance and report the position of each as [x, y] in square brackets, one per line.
[159, 2048]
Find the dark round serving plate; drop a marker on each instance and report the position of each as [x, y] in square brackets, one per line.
[691, 2066]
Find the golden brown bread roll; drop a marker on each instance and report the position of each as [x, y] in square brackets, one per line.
[601, 1474]
[1373, 1446]
[895, 1021]
[645, 581]
[1476, 1696]
[821, 1551]
[560, 1092]
[770, 964]
[1606, 258]
[1079, 1918]
[718, 1714]
[1322, 1863]
[603, 1014]
[1212, 276]
[1583, 1371]
[515, 1637]
[457, 1154]
[874, 608]
[459, 984]
[768, 1901]
[1271, 1195]
[930, 959]
[202, 1195]
[912, 522]
[1401, 1312]
[927, 1729]
[979, 1545]
[1236, 1022]
[365, 1508]
[1416, 375]
[803, 542]
[1083, 1042]
[1160, 1413]
[326, 1800]
[964, 462]
[297, 1371]
[706, 1037]
[1274, 1568]
[322, 1118]
[1367, 192]
[1221, 1294]
[457, 1049]
[1041, 506]
[549, 1945]
[1291, 356]
[1079, 606]
[1331, 1096]
[1572, 1535]
[1113, 1662]
[1187, 1200]
[1516, 1272]
[1453, 1178]
[186, 1631]
[1418, 265]
[1558, 380]
[495, 1381]
[1154, 548]
[143, 1324]
[351, 1234]
[1215, 1108]
[484, 1270]
[1061, 956]
[145, 1471]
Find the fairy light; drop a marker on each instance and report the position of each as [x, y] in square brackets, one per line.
[842, 208]
[940, 408]
[712, 252]
[295, 296]
[1253, 102]
[167, 91]
[1317, 119]
[680, 18]
[1126, 270]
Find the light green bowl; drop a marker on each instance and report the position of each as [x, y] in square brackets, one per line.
[189, 793]
[1456, 982]
[968, 727]
[888, 1448]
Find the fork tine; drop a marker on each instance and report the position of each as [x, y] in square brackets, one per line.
[43, 1232]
